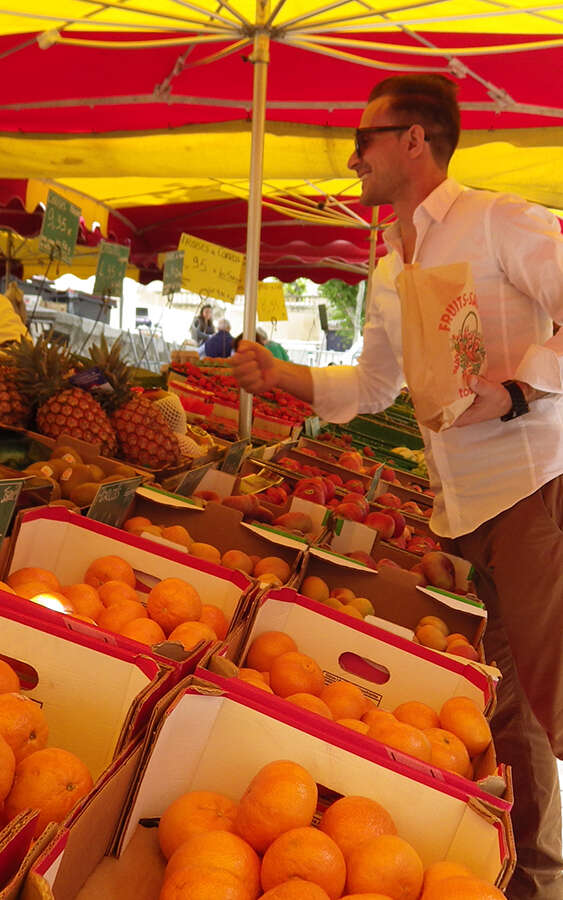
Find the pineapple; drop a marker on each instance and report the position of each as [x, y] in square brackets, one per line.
[42, 371]
[143, 434]
[14, 408]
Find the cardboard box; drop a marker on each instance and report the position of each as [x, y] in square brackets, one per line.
[205, 719]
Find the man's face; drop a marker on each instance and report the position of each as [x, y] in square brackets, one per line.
[380, 164]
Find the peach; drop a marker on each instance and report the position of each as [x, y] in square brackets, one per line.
[315, 588]
[383, 524]
[294, 521]
[439, 570]
[237, 559]
[274, 565]
[205, 551]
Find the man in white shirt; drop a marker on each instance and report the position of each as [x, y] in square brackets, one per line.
[497, 474]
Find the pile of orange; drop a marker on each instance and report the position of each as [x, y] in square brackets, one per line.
[32, 775]
[107, 597]
[265, 846]
[450, 739]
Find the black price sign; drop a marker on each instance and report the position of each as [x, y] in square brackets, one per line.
[9, 493]
[233, 457]
[112, 501]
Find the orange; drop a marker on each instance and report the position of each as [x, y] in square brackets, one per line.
[272, 565]
[115, 591]
[237, 559]
[305, 853]
[203, 884]
[191, 813]
[374, 716]
[462, 888]
[7, 768]
[143, 630]
[51, 780]
[51, 600]
[173, 601]
[462, 716]
[249, 677]
[312, 703]
[218, 850]
[345, 700]
[403, 737]
[266, 647]
[109, 568]
[22, 724]
[352, 820]
[9, 680]
[189, 634]
[418, 714]
[30, 589]
[282, 795]
[6, 588]
[294, 673]
[177, 534]
[387, 865]
[354, 724]
[448, 752]
[442, 869]
[136, 524]
[216, 619]
[32, 573]
[84, 598]
[114, 617]
[296, 889]
[368, 896]
[205, 551]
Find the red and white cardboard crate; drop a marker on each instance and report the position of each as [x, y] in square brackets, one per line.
[212, 738]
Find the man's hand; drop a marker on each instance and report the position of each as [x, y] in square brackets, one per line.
[255, 368]
[492, 401]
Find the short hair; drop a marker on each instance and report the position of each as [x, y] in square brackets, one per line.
[224, 325]
[261, 335]
[427, 100]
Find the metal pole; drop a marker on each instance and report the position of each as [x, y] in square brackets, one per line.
[372, 249]
[260, 59]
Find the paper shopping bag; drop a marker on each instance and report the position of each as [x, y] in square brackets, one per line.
[442, 340]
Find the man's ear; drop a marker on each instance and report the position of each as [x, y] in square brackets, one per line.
[416, 140]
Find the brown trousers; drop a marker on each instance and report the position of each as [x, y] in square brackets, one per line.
[518, 558]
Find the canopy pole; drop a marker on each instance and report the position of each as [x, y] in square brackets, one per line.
[260, 59]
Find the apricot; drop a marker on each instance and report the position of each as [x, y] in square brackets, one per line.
[237, 559]
[351, 611]
[436, 622]
[273, 565]
[205, 551]
[315, 588]
[430, 636]
[177, 534]
[271, 579]
[342, 593]
[364, 606]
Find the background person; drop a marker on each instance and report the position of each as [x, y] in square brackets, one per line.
[202, 325]
[275, 349]
[498, 482]
[220, 344]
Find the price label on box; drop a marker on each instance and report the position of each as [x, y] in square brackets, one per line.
[9, 493]
[233, 456]
[271, 302]
[59, 228]
[374, 484]
[312, 426]
[111, 269]
[112, 501]
[172, 272]
[209, 269]
[190, 479]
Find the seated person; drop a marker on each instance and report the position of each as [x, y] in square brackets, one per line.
[220, 343]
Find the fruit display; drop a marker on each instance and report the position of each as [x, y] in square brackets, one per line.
[33, 775]
[449, 739]
[265, 846]
[431, 631]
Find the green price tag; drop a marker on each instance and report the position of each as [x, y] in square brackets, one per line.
[233, 457]
[112, 501]
[374, 483]
[111, 269]
[312, 426]
[59, 228]
[190, 480]
[172, 272]
[9, 493]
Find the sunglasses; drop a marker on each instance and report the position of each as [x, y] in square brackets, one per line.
[362, 135]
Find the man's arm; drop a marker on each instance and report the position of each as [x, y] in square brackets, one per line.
[256, 370]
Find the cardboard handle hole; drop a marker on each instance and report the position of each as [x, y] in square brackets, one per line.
[364, 668]
[27, 675]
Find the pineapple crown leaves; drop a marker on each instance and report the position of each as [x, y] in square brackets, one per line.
[116, 370]
[41, 368]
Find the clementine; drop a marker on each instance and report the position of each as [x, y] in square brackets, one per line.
[266, 647]
[448, 752]
[191, 813]
[189, 634]
[9, 680]
[282, 795]
[203, 884]
[354, 724]
[311, 703]
[109, 568]
[33, 573]
[218, 850]
[462, 888]
[385, 864]
[345, 700]
[84, 598]
[294, 673]
[374, 716]
[22, 724]
[442, 869]
[6, 588]
[352, 820]
[7, 768]
[462, 716]
[173, 601]
[418, 714]
[50, 780]
[403, 737]
[296, 889]
[114, 617]
[144, 630]
[305, 853]
[369, 896]
[116, 591]
[216, 619]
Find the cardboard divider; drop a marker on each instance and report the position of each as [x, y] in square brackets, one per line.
[436, 819]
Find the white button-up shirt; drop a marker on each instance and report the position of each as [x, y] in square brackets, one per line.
[516, 254]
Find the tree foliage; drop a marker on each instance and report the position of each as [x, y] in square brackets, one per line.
[341, 302]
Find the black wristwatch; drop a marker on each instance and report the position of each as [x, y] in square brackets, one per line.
[519, 403]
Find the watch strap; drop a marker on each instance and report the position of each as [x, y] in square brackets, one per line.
[519, 403]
